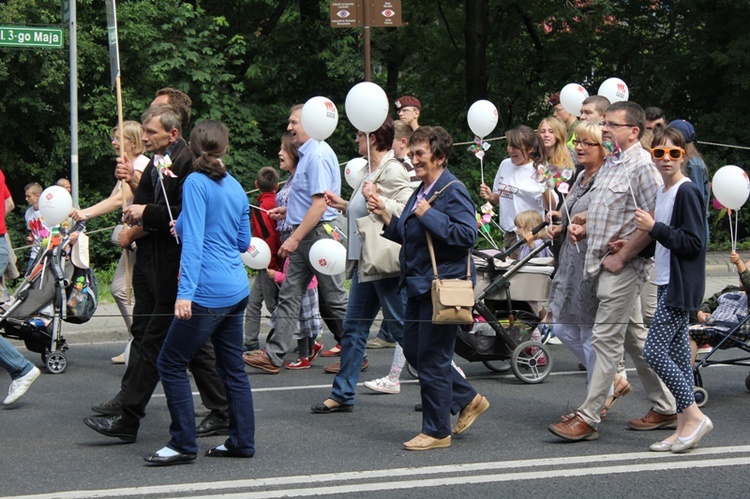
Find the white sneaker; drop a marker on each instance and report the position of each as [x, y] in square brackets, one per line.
[383, 385]
[19, 386]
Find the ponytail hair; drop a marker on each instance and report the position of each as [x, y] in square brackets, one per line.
[208, 142]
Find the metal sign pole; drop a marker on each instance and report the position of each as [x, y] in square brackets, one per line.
[73, 103]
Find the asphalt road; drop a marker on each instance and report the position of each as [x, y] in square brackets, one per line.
[48, 452]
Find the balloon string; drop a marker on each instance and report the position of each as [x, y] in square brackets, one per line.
[632, 193]
[570, 221]
[481, 167]
[731, 231]
[169, 209]
[369, 165]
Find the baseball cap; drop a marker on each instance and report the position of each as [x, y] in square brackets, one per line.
[687, 129]
[554, 99]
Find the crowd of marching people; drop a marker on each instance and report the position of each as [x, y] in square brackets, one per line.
[628, 209]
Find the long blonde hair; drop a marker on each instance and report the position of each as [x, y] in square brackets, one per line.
[131, 131]
[560, 157]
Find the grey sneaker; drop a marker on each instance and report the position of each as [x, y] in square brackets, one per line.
[379, 343]
[20, 386]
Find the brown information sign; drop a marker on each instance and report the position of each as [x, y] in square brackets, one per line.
[383, 13]
[346, 14]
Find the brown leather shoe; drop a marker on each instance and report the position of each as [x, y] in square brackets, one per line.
[469, 414]
[653, 421]
[574, 429]
[336, 367]
[261, 361]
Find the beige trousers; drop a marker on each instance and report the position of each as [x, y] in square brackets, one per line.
[619, 324]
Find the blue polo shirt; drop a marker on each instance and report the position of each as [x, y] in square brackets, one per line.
[317, 172]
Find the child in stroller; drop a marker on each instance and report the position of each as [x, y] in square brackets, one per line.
[724, 322]
[40, 304]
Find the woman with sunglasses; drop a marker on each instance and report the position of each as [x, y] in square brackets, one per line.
[680, 273]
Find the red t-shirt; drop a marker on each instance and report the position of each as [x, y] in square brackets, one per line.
[264, 227]
[4, 194]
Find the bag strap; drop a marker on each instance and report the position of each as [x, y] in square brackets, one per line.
[434, 262]
[432, 248]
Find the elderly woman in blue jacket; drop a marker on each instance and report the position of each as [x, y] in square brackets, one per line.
[442, 207]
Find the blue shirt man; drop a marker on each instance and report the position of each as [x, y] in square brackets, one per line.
[317, 172]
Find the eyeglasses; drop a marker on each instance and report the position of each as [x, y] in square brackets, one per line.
[585, 143]
[418, 153]
[609, 124]
[674, 152]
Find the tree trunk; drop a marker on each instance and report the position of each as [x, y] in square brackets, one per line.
[476, 37]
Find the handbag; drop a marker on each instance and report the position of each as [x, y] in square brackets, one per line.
[379, 255]
[452, 299]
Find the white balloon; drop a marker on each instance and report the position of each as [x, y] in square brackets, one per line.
[482, 118]
[354, 171]
[319, 117]
[55, 204]
[614, 89]
[571, 97]
[258, 255]
[366, 106]
[328, 256]
[731, 186]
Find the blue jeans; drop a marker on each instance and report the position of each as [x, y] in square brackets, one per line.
[365, 299]
[184, 339]
[16, 364]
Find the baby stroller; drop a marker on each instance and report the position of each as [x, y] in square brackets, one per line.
[503, 295]
[736, 335]
[53, 291]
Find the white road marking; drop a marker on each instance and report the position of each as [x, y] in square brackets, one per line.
[468, 473]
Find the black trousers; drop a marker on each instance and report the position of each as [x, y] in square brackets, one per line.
[151, 321]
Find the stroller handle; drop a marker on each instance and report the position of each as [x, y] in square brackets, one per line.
[504, 254]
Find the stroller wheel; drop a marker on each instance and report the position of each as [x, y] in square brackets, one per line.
[701, 396]
[498, 366]
[531, 362]
[56, 362]
[412, 372]
[747, 382]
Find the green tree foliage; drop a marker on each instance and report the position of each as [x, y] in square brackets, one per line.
[246, 62]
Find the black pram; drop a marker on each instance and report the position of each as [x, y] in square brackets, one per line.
[46, 298]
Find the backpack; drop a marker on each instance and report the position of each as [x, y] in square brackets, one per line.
[82, 302]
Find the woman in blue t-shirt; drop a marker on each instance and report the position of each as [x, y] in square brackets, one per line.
[214, 228]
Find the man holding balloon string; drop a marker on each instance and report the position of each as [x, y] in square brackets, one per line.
[308, 213]
[615, 258]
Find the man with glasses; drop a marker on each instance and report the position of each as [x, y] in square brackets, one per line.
[617, 257]
[408, 109]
